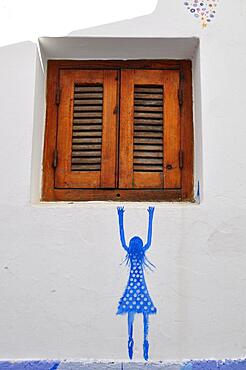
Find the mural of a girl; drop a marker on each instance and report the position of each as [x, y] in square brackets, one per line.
[136, 298]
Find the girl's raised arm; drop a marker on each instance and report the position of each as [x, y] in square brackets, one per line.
[121, 226]
[151, 214]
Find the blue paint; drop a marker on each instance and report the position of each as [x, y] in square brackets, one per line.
[198, 195]
[136, 298]
[130, 331]
[215, 365]
[29, 365]
[201, 365]
[146, 331]
[191, 365]
[187, 367]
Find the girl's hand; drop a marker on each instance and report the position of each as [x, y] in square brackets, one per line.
[120, 210]
[151, 210]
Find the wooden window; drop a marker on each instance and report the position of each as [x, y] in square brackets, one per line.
[118, 130]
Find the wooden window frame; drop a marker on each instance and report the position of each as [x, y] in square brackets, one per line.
[185, 193]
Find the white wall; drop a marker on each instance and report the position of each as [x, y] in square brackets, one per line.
[60, 273]
[27, 19]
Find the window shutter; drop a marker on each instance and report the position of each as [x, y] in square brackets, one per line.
[149, 130]
[87, 129]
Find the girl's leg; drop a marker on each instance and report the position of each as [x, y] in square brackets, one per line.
[146, 332]
[130, 334]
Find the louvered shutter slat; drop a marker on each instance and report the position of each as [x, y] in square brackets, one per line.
[86, 121]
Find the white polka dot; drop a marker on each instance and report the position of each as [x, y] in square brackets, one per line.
[135, 280]
[131, 291]
[138, 291]
[149, 304]
[134, 302]
[130, 306]
[124, 299]
[138, 299]
[142, 295]
[135, 295]
[141, 303]
[127, 302]
[127, 295]
[135, 286]
[152, 309]
[130, 298]
[124, 306]
[138, 284]
[138, 307]
[145, 299]
[145, 307]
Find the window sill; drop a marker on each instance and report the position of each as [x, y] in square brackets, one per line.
[118, 195]
[111, 204]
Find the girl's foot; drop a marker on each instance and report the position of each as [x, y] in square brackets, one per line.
[146, 349]
[130, 348]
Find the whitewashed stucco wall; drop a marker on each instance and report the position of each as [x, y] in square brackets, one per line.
[60, 273]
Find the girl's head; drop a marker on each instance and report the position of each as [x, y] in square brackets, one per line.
[136, 251]
[136, 246]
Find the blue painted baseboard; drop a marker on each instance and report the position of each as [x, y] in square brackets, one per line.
[66, 365]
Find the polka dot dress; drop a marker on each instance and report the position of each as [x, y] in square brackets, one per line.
[136, 297]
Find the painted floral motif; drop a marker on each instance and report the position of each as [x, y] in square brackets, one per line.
[204, 10]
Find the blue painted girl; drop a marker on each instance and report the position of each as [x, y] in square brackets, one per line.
[136, 298]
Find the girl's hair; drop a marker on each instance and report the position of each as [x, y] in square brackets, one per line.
[136, 248]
